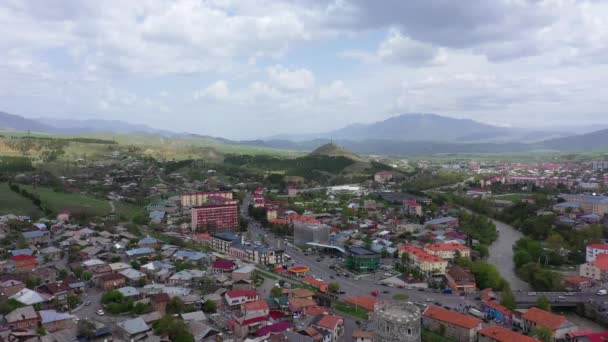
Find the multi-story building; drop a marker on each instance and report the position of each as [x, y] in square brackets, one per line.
[383, 177]
[589, 203]
[456, 326]
[411, 207]
[222, 242]
[257, 254]
[595, 249]
[362, 260]
[448, 251]
[307, 229]
[460, 279]
[215, 217]
[424, 261]
[192, 199]
[596, 269]
[599, 165]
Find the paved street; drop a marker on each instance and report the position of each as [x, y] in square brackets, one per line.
[501, 255]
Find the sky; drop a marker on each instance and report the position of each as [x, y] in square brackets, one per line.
[255, 68]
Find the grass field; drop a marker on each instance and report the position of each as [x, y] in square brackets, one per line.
[511, 197]
[76, 203]
[12, 203]
[352, 310]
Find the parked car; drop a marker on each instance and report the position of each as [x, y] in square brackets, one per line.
[87, 303]
[100, 312]
[602, 292]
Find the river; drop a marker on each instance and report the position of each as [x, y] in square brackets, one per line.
[501, 255]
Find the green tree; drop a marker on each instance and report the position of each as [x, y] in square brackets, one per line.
[333, 287]
[542, 333]
[87, 275]
[276, 292]
[175, 306]
[41, 331]
[543, 303]
[86, 329]
[487, 276]
[506, 298]
[174, 329]
[209, 306]
[73, 301]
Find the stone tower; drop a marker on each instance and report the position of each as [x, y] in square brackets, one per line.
[396, 322]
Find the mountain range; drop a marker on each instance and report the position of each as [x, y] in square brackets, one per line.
[407, 134]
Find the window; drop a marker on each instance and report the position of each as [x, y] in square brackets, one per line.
[409, 332]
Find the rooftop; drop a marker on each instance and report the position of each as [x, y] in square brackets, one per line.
[500, 334]
[545, 318]
[451, 317]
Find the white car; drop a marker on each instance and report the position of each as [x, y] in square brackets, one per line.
[602, 292]
[100, 312]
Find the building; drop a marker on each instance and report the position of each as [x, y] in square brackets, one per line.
[411, 207]
[599, 165]
[37, 237]
[460, 279]
[442, 222]
[589, 203]
[192, 199]
[395, 322]
[361, 260]
[423, 261]
[448, 251]
[23, 263]
[596, 269]
[363, 336]
[215, 217]
[292, 191]
[496, 311]
[454, 325]
[223, 266]
[111, 281]
[52, 320]
[10, 287]
[495, 333]
[558, 324]
[316, 283]
[23, 318]
[595, 249]
[307, 229]
[134, 329]
[329, 324]
[222, 242]
[383, 176]
[257, 254]
[238, 297]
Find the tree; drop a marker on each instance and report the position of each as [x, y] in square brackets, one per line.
[87, 275]
[86, 329]
[73, 301]
[41, 331]
[276, 292]
[333, 287]
[542, 333]
[175, 306]
[209, 306]
[543, 303]
[506, 298]
[487, 276]
[175, 329]
[384, 253]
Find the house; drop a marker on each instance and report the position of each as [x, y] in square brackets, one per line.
[238, 297]
[158, 271]
[118, 267]
[495, 333]
[411, 207]
[23, 263]
[558, 324]
[257, 254]
[134, 329]
[243, 272]
[442, 222]
[10, 287]
[111, 281]
[59, 290]
[448, 251]
[316, 283]
[252, 315]
[52, 320]
[90, 252]
[31, 297]
[64, 216]
[332, 324]
[159, 302]
[23, 318]
[457, 326]
[50, 253]
[595, 249]
[129, 292]
[36, 237]
[496, 311]
[383, 177]
[362, 336]
[596, 269]
[133, 276]
[192, 257]
[222, 242]
[460, 279]
[301, 293]
[223, 266]
[149, 242]
[140, 252]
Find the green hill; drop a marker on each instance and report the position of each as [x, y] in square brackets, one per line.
[333, 150]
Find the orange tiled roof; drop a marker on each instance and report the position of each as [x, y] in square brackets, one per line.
[365, 302]
[302, 303]
[451, 317]
[314, 282]
[544, 318]
[601, 262]
[447, 247]
[329, 321]
[256, 305]
[420, 254]
[501, 334]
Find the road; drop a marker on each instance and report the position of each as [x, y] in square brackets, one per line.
[501, 255]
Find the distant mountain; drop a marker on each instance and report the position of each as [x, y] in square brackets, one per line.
[584, 142]
[428, 127]
[10, 122]
[100, 126]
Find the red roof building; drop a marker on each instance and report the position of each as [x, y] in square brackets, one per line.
[454, 325]
[495, 333]
[558, 324]
[23, 262]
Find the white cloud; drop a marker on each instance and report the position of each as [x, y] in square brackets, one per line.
[294, 80]
[218, 90]
[335, 91]
[397, 48]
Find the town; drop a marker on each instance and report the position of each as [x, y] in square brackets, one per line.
[427, 250]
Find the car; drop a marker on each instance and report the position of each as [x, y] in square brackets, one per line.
[421, 289]
[561, 297]
[428, 300]
[386, 291]
[342, 292]
[437, 303]
[401, 286]
[569, 294]
[318, 260]
[601, 292]
[87, 303]
[100, 312]
[531, 293]
[337, 274]
[332, 277]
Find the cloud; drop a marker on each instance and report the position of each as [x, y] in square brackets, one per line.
[217, 91]
[335, 91]
[292, 80]
[402, 50]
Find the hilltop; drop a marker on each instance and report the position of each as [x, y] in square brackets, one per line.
[333, 150]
